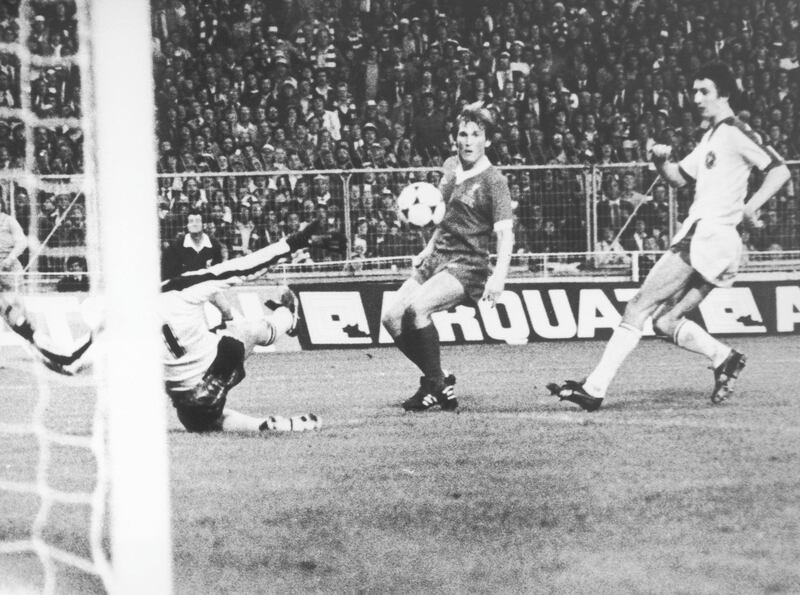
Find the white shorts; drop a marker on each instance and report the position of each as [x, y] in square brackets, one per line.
[714, 250]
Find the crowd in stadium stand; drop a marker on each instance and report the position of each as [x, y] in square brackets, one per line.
[268, 86]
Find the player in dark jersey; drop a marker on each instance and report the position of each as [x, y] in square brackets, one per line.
[454, 266]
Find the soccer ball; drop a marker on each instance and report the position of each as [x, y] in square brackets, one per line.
[421, 204]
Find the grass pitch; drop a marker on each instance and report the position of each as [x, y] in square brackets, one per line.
[658, 492]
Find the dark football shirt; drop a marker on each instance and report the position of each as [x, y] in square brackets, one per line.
[475, 202]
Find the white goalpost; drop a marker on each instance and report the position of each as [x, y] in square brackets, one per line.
[125, 132]
[129, 501]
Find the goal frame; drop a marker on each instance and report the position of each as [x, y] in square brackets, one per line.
[120, 94]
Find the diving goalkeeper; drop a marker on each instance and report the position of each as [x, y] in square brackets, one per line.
[202, 365]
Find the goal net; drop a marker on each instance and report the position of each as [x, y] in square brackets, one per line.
[84, 493]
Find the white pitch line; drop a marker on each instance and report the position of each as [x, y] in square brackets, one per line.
[576, 419]
[588, 419]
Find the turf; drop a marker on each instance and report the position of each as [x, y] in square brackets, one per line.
[658, 492]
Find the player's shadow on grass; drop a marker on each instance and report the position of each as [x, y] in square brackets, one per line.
[656, 399]
[218, 435]
[623, 401]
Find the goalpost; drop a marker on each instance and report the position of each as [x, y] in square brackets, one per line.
[129, 439]
[125, 130]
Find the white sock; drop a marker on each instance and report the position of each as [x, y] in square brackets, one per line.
[276, 423]
[619, 346]
[691, 336]
[233, 421]
[296, 423]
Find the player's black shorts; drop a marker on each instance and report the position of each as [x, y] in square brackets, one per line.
[470, 270]
[199, 411]
[200, 408]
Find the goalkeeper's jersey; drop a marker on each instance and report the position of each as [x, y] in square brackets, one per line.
[478, 203]
[189, 347]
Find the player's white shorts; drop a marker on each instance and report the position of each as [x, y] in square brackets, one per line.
[712, 249]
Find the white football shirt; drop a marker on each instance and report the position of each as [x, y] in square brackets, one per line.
[720, 165]
[189, 347]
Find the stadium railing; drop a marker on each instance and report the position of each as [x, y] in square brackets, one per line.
[544, 268]
[571, 197]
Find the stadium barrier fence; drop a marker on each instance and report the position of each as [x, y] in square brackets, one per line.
[561, 215]
[557, 208]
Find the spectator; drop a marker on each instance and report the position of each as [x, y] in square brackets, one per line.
[636, 241]
[47, 217]
[393, 243]
[612, 211]
[22, 209]
[622, 66]
[331, 245]
[430, 129]
[370, 75]
[8, 98]
[608, 251]
[629, 192]
[223, 229]
[549, 240]
[377, 237]
[648, 256]
[76, 278]
[71, 230]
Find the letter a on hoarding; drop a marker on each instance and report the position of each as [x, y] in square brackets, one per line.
[787, 308]
[335, 318]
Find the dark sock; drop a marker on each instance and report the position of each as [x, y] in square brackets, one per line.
[405, 340]
[402, 341]
[423, 343]
[300, 239]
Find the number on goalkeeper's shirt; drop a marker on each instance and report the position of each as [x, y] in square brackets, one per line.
[175, 348]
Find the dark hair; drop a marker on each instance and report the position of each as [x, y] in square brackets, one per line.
[195, 212]
[721, 75]
[76, 260]
[476, 112]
